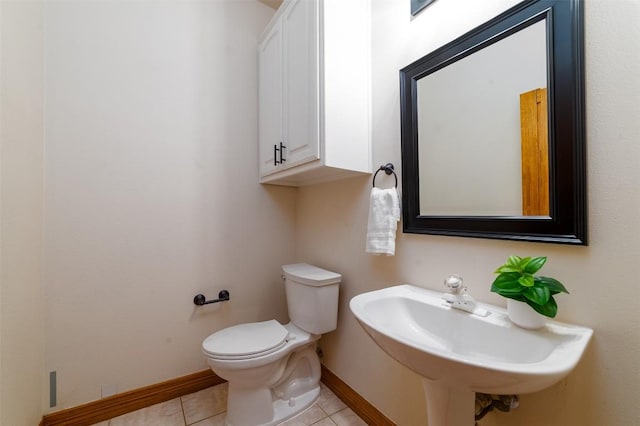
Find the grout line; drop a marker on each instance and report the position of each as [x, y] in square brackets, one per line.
[184, 416]
[321, 409]
[323, 419]
[340, 411]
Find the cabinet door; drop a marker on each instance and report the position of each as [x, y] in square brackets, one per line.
[270, 99]
[300, 67]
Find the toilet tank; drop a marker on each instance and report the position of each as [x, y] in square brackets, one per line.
[312, 297]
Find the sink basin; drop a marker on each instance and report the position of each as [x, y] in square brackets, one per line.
[459, 353]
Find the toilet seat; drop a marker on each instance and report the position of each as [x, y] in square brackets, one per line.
[245, 341]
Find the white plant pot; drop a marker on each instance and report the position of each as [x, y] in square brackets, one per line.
[524, 316]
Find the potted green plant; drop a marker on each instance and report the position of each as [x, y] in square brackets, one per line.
[517, 282]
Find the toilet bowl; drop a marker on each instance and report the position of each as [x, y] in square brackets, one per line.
[273, 369]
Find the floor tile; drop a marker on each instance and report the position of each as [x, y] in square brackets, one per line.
[205, 403]
[166, 414]
[347, 417]
[325, 422]
[329, 402]
[308, 417]
[212, 421]
[105, 423]
[208, 408]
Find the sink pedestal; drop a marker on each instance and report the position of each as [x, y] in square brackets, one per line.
[448, 406]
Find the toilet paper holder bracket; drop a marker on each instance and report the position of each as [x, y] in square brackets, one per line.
[200, 300]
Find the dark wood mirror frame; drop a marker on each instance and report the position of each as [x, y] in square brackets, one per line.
[567, 222]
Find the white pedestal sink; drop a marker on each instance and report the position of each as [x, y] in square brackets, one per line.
[459, 353]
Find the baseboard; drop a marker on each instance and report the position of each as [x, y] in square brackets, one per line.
[353, 400]
[126, 402]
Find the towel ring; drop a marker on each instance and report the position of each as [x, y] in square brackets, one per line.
[388, 169]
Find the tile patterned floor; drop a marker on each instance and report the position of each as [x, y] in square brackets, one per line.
[207, 408]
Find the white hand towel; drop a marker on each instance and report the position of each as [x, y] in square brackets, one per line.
[384, 214]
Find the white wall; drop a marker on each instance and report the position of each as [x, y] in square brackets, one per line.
[21, 169]
[151, 189]
[604, 388]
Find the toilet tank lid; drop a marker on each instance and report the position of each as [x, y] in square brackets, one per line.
[310, 275]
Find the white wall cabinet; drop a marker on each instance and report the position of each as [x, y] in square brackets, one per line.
[314, 92]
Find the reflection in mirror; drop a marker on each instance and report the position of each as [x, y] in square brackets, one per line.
[492, 130]
[473, 140]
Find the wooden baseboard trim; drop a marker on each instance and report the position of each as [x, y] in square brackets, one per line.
[122, 403]
[357, 403]
[126, 402]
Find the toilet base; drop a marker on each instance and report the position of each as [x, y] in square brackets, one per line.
[289, 386]
[284, 410]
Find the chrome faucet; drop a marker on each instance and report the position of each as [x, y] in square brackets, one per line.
[458, 298]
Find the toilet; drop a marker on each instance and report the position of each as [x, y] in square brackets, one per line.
[273, 369]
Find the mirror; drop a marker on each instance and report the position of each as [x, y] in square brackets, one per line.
[469, 113]
[493, 130]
